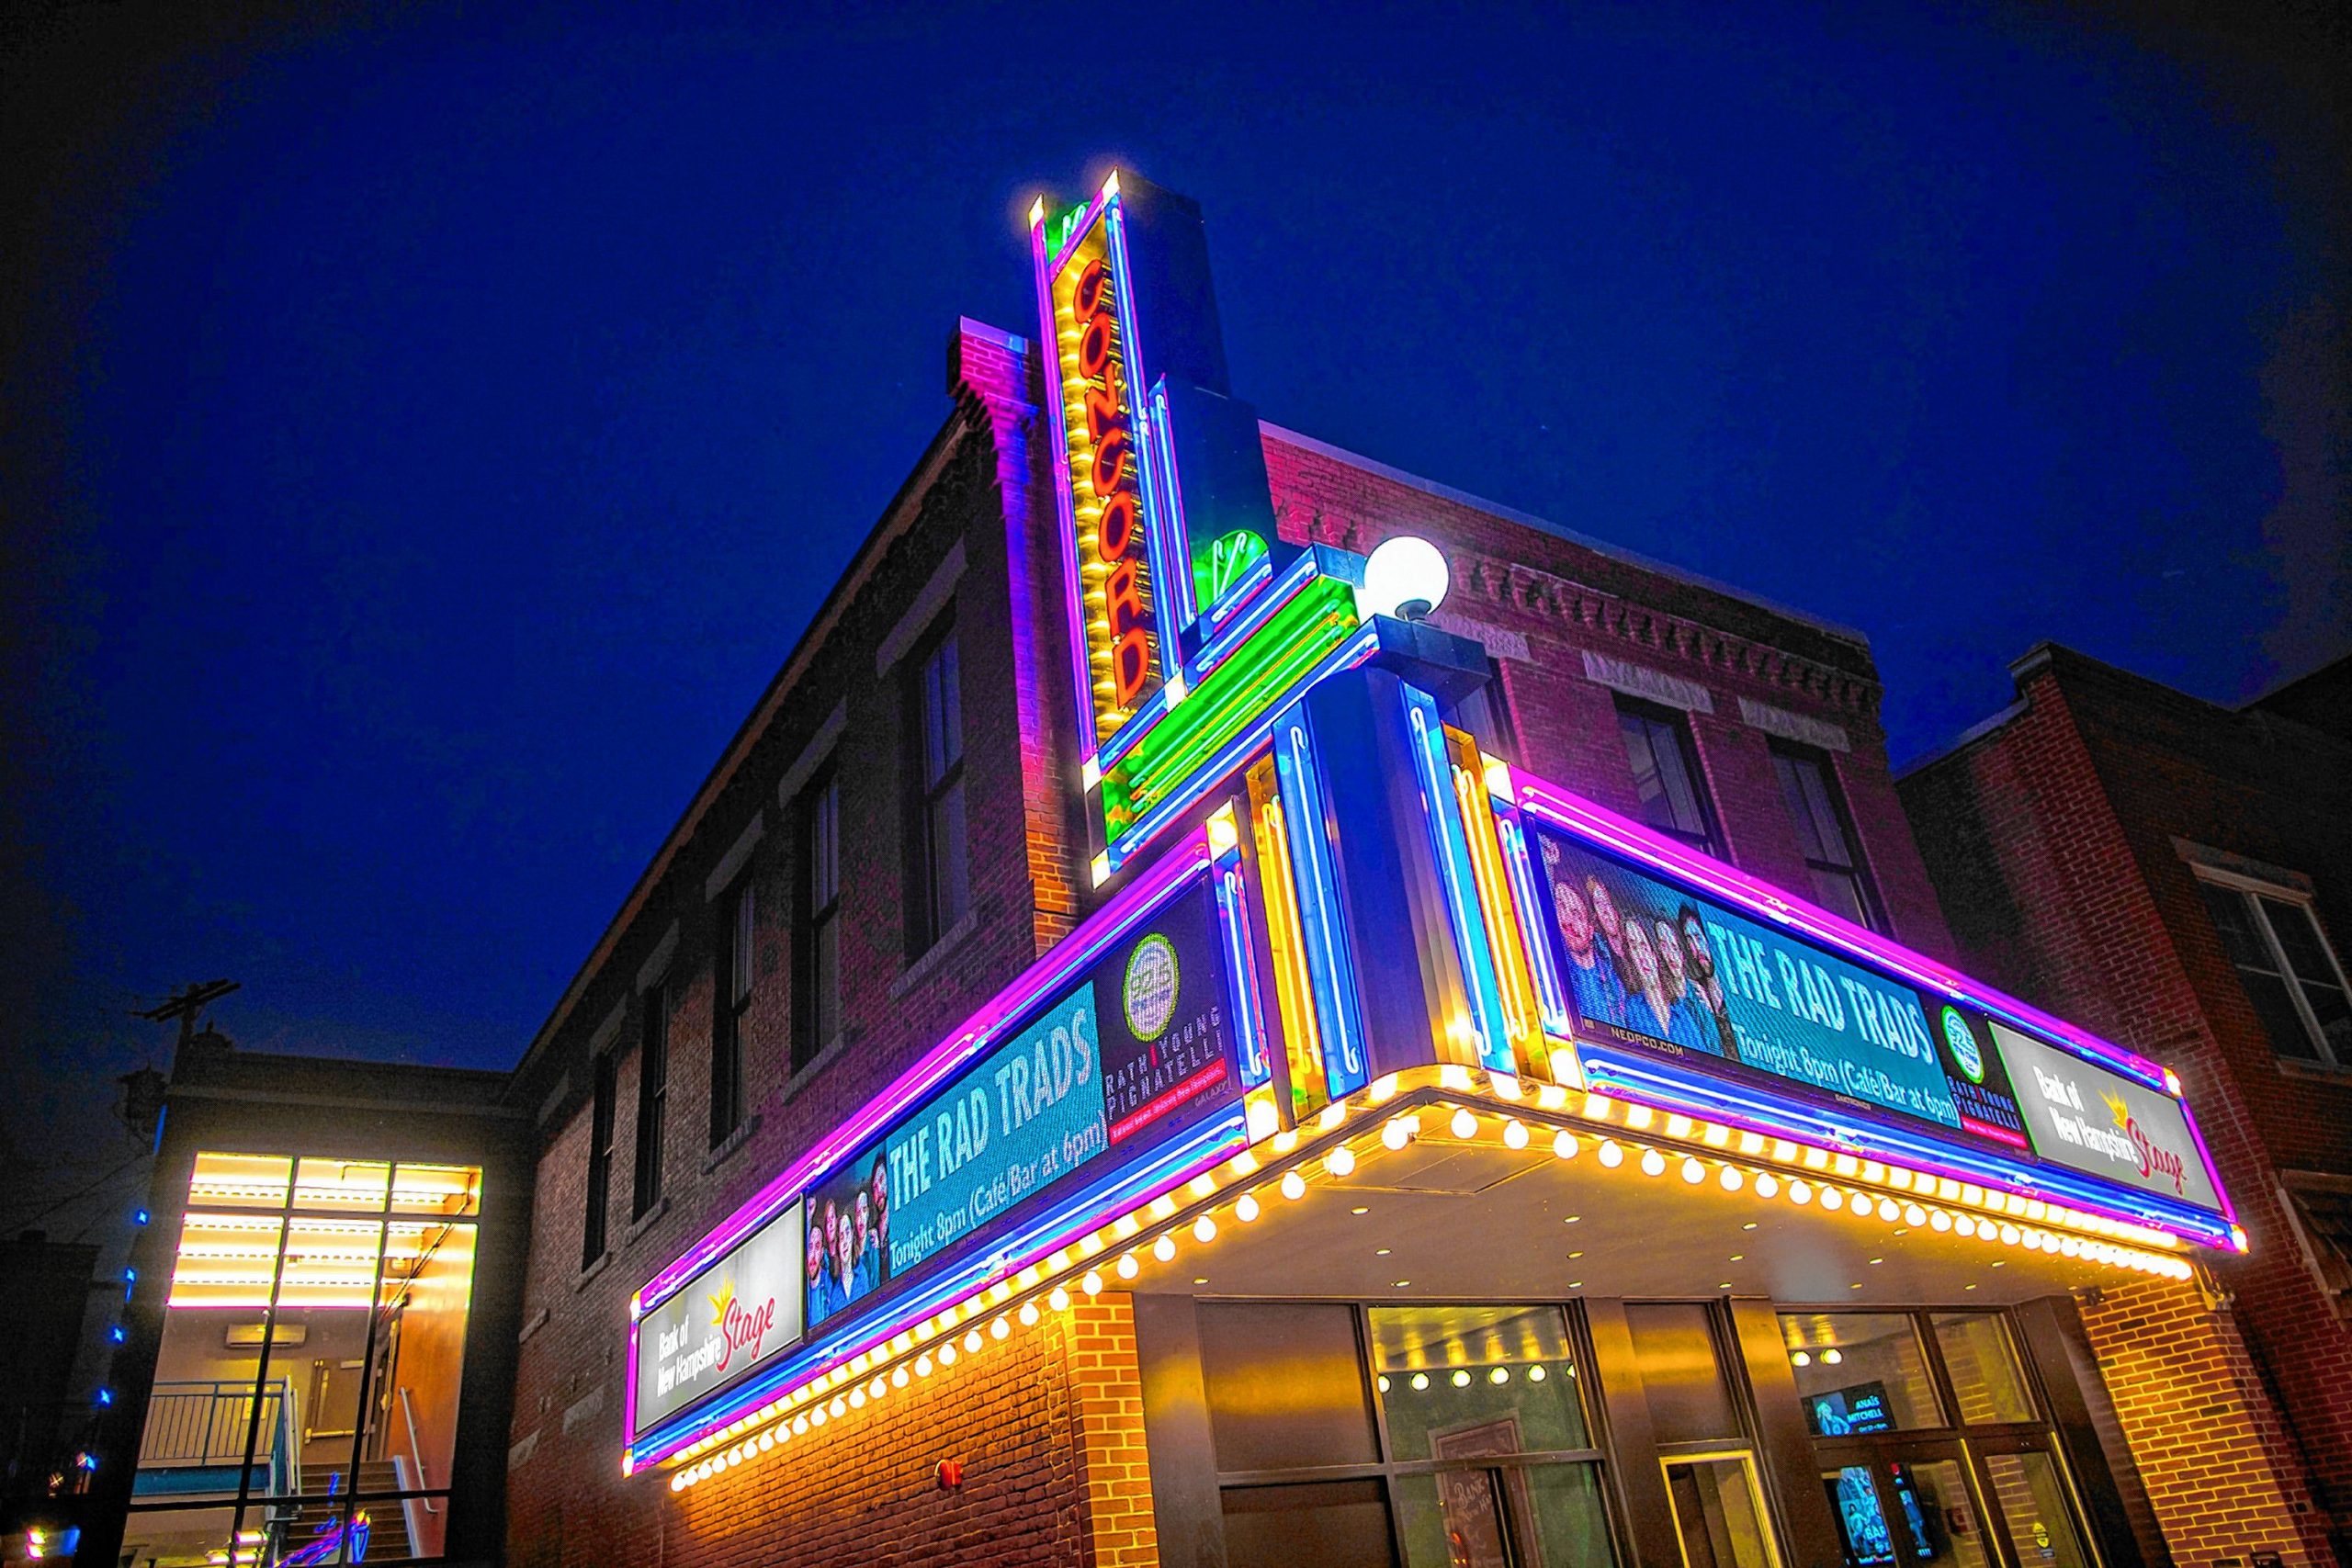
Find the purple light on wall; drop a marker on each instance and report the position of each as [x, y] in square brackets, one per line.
[1184, 861]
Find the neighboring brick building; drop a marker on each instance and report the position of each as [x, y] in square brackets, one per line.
[2178, 875]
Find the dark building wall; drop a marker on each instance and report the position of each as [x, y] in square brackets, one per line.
[2064, 835]
[983, 490]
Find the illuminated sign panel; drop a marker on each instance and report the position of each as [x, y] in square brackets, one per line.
[742, 1311]
[1666, 968]
[2103, 1124]
[1137, 1048]
[1101, 484]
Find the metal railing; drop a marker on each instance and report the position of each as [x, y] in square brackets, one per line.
[195, 1425]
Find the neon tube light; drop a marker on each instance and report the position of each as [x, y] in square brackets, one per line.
[1426, 734]
[1186, 795]
[1583, 818]
[1160, 882]
[1334, 982]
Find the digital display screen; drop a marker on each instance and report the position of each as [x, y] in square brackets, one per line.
[1653, 963]
[1137, 1049]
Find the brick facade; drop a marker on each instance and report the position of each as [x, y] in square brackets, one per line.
[1049, 1424]
[2064, 838]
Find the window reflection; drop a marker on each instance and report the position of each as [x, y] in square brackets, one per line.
[1488, 1380]
[1859, 1373]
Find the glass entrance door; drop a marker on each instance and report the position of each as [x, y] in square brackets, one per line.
[1907, 1506]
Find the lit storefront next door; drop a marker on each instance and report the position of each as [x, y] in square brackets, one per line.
[1933, 1443]
[304, 1406]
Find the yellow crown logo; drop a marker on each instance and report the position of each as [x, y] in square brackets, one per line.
[2117, 1109]
[721, 1301]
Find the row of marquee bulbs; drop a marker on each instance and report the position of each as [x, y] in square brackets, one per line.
[932, 1347]
[1460, 1377]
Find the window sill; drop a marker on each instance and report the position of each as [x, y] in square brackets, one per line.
[731, 1143]
[644, 1222]
[2314, 1072]
[538, 1321]
[815, 1068]
[922, 968]
[602, 1263]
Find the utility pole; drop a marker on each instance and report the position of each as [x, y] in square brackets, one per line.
[186, 1004]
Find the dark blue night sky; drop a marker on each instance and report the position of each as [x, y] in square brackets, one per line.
[430, 431]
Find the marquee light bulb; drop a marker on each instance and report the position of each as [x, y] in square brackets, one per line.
[1421, 1381]
[1653, 1163]
[1396, 1135]
[1164, 1249]
[1564, 1146]
[1730, 1178]
[1832, 1199]
[999, 1328]
[1612, 1154]
[1535, 1373]
[1405, 576]
[922, 1366]
[1247, 1209]
[1499, 1375]
[947, 1355]
[972, 1343]
[1204, 1229]
[1092, 1284]
[1515, 1134]
[1028, 1315]
[1128, 1265]
[1340, 1161]
[1294, 1185]
[1464, 1124]
[1833, 1355]
[1460, 1378]
[1693, 1172]
[1060, 1300]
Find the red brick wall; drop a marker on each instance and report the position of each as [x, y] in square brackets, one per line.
[2221, 1470]
[1564, 598]
[2054, 838]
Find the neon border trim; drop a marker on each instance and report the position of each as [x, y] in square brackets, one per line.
[1549, 804]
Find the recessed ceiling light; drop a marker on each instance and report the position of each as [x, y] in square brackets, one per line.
[1402, 1284]
[1383, 1252]
[1201, 1279]
[1736, 1256]
[1877, 1260]
[1572, 1219]
[1725, 1286]
[1854, 1286]
[1748, 1226]
[1968, 1287]
[2003, 1264]
[1575, 1284]
[1580, 1253]
[1359, 1209]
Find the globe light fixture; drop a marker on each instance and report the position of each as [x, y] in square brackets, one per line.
[1405, 577]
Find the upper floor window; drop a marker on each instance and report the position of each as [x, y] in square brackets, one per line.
[1673, 791]
[600, 1160]
[941, 886]
[731, 1000]
[1825, 833]
[652, 1098]
[2290, 973]
[817, 941]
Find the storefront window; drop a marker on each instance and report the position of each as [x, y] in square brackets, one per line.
[305, 1398]
[1718, 1512]
[1455, 1381]
[1915, 1478]
[1986, 1376]
[2034, 1511]
[1860, 1373]
[1463, 1427]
